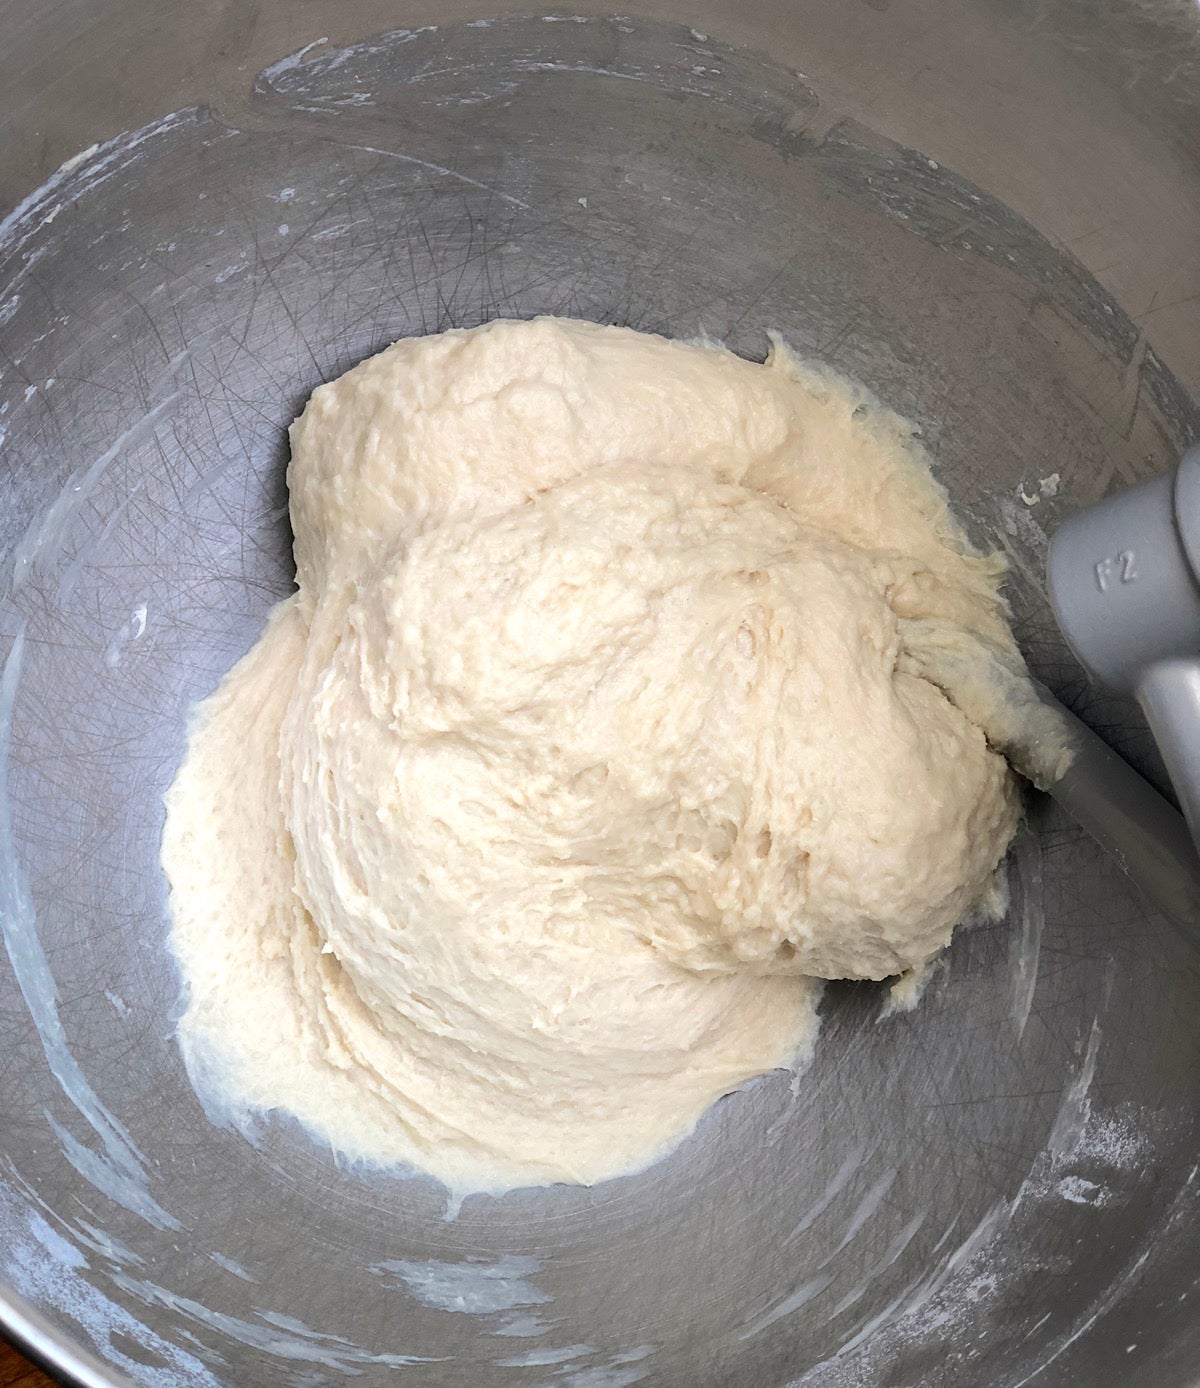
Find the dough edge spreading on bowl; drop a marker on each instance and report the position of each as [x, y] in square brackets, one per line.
[596, 734]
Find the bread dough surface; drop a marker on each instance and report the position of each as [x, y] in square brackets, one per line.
[594, 734]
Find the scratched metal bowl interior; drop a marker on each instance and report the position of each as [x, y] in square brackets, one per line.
[996, 1188]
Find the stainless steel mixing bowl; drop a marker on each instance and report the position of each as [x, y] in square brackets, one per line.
[987, 212]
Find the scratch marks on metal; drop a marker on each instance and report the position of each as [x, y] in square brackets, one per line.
[77, 177]
[1030, 912]
[788, 1306]
[50, 1272]
[850, 1164]
[1076, 1106]
[439, 169]
[1103, 1306]
[282, 1336]
[119, 1172]
[43, 544]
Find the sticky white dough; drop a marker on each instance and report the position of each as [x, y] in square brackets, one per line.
[590, 738]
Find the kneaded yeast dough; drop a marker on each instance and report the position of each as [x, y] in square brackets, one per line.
[593, 734]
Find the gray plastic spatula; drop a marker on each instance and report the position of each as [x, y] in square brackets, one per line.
[1124, 580]
[1130, 820]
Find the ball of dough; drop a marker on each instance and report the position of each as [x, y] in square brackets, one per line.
[648, 697]
[590, 738]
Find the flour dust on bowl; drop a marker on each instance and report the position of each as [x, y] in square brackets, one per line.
[996, 1187]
